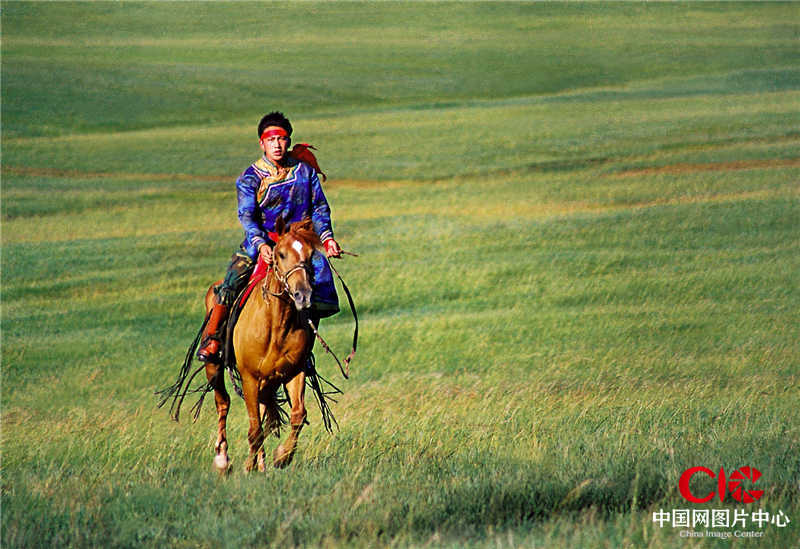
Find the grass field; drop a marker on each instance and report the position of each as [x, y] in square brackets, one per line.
[579, 237]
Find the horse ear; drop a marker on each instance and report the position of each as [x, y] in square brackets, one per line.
[280, 225]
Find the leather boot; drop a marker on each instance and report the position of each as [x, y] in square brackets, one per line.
[212, 335]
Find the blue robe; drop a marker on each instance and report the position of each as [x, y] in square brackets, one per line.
[264, 196]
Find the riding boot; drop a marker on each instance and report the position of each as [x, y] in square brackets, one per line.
[213, 334]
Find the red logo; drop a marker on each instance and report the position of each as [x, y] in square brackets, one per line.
[731, 485]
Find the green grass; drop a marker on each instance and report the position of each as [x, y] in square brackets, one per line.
[578, 227]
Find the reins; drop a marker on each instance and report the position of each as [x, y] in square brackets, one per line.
[355, 319]
[284, 280]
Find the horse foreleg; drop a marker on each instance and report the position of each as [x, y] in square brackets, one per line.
[215, 376]
[255, 434]
[295, 388]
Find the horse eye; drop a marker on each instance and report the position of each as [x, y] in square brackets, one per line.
[281, 255]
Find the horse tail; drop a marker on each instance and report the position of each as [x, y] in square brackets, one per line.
[178, 390]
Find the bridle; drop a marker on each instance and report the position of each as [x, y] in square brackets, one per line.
[283, 278]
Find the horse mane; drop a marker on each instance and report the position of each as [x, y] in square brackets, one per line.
[304, 230]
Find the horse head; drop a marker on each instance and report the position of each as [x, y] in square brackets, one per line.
[291, 259]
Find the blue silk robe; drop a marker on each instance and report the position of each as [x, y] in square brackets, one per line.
[264, 195]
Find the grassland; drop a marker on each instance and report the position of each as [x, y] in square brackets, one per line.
[579, 230]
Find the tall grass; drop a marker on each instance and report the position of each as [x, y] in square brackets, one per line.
[573, 283]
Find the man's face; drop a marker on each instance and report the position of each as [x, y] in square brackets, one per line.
[275, 147]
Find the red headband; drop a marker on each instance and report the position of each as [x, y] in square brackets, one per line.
[272, 131]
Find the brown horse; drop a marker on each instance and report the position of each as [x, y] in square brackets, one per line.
[272, 341]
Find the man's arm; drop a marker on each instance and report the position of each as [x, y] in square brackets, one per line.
[321, 217]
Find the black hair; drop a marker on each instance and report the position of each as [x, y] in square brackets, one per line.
[274, 118]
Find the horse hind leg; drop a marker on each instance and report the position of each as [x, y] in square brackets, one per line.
[215, 376]
[295, 388]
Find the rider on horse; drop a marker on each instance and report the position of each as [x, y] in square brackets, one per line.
[283, 184]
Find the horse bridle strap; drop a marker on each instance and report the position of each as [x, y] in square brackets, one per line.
[284, 279]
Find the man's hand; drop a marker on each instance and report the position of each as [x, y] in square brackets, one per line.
[332, 248]
[266, 253]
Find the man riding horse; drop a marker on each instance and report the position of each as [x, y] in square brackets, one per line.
[281, 184]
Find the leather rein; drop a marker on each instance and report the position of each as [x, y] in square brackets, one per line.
[284, 281]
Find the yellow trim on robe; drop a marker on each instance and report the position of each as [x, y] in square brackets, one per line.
[274, 175]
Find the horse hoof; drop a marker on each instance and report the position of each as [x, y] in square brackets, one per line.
[281, 458]
[222, 463]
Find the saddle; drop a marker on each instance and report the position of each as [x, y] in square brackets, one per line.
[259, 273]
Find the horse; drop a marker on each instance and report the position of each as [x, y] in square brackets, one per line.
[272, 341]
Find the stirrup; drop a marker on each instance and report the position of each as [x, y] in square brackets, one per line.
[203, 354]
